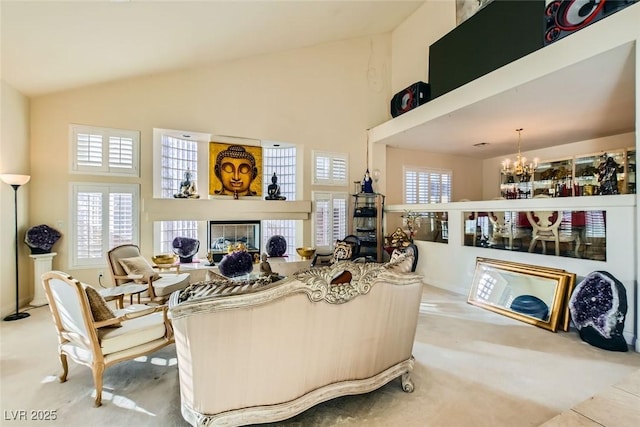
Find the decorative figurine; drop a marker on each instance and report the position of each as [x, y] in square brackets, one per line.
[367, 183]
[187, 188]
[265, 269]
[273, 190]
[608, 175]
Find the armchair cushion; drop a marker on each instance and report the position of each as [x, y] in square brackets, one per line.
[169, 283]
[139, 266]
[99, 308]
[134, 332]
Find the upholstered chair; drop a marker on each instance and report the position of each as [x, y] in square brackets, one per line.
[91, 334]
[506, 229]
[128, 266]
[546, 228]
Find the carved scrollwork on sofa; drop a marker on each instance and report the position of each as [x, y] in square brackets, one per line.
[321, 281]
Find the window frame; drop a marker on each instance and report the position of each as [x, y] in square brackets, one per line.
[106, 134]
[202, 172]
[428, 171]
[106, 189]
[330, 196]
[332, 157]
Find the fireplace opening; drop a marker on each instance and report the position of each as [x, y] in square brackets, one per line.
[226, 235]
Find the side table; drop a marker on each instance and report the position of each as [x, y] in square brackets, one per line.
[119, 292]
[42, 264]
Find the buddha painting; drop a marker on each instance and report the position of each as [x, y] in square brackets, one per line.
[235, 170]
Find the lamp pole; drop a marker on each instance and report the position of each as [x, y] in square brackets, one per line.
[16, 181]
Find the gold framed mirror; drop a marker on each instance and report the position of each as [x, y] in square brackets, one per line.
[533, 294]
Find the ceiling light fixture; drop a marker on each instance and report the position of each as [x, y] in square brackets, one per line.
[519, 168]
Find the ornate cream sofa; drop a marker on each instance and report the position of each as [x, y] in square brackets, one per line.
[271, 352]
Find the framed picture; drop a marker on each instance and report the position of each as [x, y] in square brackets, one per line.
[235, 170]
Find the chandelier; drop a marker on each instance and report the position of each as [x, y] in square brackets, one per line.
[519, 168]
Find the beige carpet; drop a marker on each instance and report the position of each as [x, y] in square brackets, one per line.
[473, 368]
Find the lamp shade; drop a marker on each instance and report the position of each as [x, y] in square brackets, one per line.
[12, 179]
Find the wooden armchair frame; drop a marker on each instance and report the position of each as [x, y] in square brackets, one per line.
[80, 336]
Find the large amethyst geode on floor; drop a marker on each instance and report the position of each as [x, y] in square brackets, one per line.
[185, 248]
[598, 307]
[236, 263]
[41, 238]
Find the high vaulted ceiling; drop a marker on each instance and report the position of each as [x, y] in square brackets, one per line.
[49, 46]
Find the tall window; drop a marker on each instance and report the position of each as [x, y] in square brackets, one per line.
[423, 185]
[97, 150]
[330, 168]
[103, 216]
[281, 160]
[330, 218]
[177, 152]
[178, 156]
[169, 230]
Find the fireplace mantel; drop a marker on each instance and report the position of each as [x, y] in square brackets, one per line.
[224, 209]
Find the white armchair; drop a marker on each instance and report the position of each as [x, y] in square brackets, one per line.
[93, 335]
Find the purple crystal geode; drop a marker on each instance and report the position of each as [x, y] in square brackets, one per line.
[185, 248]
[598, 307]
[41, 238]
[276, 246]
[236, 263]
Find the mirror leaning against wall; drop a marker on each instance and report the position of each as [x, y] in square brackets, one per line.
[532, 294]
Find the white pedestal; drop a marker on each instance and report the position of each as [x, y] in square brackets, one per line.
[42, 264]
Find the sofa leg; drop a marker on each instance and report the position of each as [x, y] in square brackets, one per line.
[407, 383]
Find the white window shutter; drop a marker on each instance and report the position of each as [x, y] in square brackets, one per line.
[422, 185]
[120, 152]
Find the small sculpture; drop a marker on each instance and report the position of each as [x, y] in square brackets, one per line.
[608, 175]
[367, 183]
[273, 190]
[187, 188]
[265, 268]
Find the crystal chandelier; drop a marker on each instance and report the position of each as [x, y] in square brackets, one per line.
[519, 168]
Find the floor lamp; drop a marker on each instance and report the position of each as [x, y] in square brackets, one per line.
[16, 181]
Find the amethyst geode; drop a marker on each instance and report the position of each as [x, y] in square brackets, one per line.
[185, 248]
[236, 263]
[41, 238]
[276, 246]
[598, 307]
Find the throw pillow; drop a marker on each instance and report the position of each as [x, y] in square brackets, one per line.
[400, 262]
[342, 251]
[140, 266]
[99, 307]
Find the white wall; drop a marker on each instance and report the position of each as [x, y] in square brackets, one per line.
[14, 159]
[411, 41]
[318, 98]
[466, 172]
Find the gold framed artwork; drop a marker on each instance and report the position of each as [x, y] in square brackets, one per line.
[235, 170]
